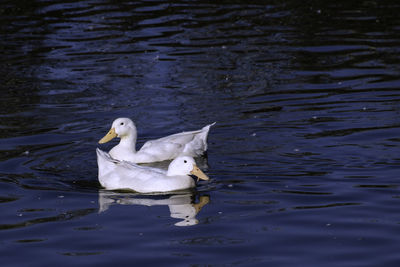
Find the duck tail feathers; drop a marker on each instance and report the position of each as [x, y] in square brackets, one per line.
[207, 127]
[204, 134]
[198, 146]
[105, 162]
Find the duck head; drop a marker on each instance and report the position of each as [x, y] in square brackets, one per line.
[121, 127]
[185, 165]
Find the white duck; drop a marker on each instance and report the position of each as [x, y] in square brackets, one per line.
[114, 174]
[193, 143]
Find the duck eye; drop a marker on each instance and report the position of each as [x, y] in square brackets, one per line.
[121, 123]
[185, 161]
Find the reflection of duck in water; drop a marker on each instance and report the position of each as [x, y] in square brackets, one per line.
[180, 206]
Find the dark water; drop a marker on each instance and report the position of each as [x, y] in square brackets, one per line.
[304, 158]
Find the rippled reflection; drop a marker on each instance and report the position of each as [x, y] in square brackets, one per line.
[61, 217]
[184, 207]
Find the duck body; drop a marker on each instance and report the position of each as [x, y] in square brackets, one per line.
[114, 174]
[192, 143]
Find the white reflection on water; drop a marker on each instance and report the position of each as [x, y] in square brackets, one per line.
[181, 206]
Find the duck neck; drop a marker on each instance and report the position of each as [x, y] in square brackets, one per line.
[173, 171]
[170, 172]
[129, 141]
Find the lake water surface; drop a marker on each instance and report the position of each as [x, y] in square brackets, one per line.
[304, 159]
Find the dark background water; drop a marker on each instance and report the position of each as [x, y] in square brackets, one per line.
[304, 158]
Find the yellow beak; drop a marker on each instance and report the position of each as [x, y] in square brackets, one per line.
[198, 173]
[109, 136]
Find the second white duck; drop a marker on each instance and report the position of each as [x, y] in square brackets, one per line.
[114, 174]
[193, 143]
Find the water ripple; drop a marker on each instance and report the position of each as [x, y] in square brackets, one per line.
[303, 156]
